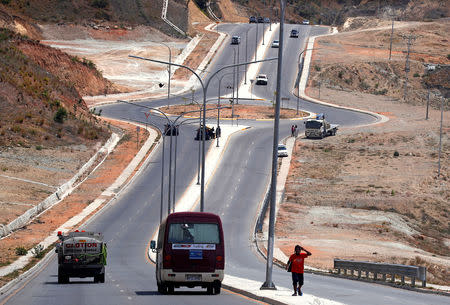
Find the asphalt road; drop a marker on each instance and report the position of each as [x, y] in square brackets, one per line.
[235, 193]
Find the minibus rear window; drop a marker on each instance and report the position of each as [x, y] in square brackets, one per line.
[194, 233]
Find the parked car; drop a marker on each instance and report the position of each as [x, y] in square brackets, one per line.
[282, 150]
[294, 33]
[266, 20]
[260, 19]
[252, 19]
[235, 40]
[305, 22]
[275, 44]
[261, 79]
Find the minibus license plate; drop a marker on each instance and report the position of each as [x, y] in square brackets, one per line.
[193, 277]
[195, 254]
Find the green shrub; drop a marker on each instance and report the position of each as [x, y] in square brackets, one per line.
[38, 147]
[21, 251]
[317, 68]
[396, 154]
[60, 115]
[416, 74]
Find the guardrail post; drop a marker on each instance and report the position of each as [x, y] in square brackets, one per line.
[423, 275]
[359, 273]
[375, 276]
[403, 279]
[392, 277]
[384, 277]
[339, 270]
[413, 281]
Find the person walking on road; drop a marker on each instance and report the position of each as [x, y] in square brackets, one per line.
[292, 130]
[296, 266]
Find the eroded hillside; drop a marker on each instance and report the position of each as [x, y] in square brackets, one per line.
[40, 95]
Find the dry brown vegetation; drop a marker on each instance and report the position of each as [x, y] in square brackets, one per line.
[241, 111]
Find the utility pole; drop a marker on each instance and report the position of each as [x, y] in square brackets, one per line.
[409, 43]
[392, 34]
[440, 136]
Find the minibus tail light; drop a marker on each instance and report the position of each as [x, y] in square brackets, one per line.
[219, 262]
[167, 263]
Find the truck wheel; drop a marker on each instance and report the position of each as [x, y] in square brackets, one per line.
[102, 278]
[170, 289]
[62, 278]
[209, 289]
[216, 287]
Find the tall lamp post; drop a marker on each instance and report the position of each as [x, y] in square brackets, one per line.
[299, 75]
[205, 88]
[218, 104]
[268, 284]
[246, 56]
[170, 60]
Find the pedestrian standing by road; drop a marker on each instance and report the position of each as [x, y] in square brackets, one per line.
[296, 265]
[292, 130]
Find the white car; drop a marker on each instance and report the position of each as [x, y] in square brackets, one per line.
[282, 150]
[261, 79]
[275, 44]
[305, 22]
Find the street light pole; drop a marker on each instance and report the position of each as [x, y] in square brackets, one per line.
[170, 67]
[237, 77]
[218, 105]
[300, 68]
[205, 88]
[246, 56]
[268, 284]
[256, 42]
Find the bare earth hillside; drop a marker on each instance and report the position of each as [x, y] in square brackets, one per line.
[373, 192]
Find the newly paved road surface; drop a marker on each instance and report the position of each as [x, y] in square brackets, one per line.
[235, 193]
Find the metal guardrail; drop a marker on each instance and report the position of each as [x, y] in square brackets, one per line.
[391, 270]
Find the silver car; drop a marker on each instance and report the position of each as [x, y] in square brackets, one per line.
[282, 150]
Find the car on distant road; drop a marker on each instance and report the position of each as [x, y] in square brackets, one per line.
[294, 33]
[260, 19]
[275, 44]
[266, 20]
[252, 19]
[305, 22]
[235, 40]
[261, 79]
[282, 150]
